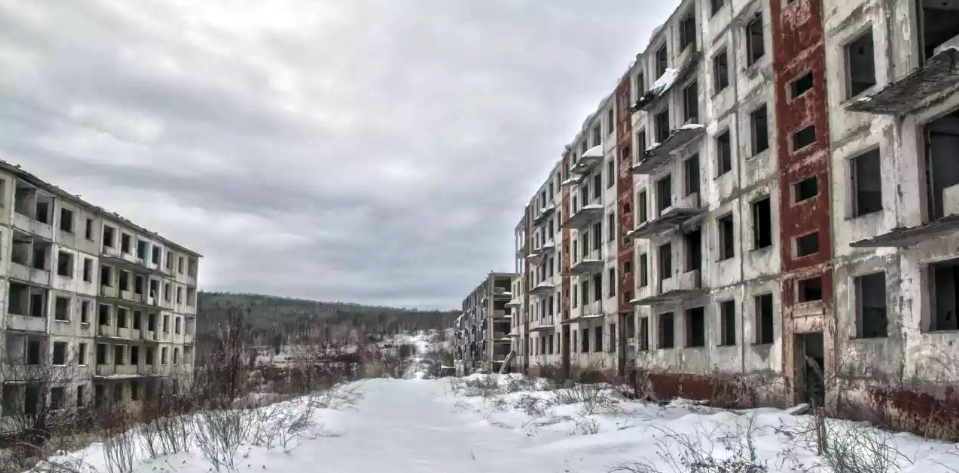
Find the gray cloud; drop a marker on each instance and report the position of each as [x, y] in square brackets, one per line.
[376, 151]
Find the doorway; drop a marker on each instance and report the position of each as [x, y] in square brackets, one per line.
[564, 350]
[812, 367]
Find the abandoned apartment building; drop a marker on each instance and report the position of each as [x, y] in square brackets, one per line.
[96, 308]
[482, 331]
[770, 193]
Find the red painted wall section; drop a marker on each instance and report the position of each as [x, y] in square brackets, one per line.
[798, 48]
[624, 194]
[566, 211]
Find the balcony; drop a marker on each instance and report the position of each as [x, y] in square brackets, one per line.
[670, 218]
[108, 291]
[30, 274]
[544, 213]
[916, 90]
[686, 286]
[584, 216]
[34, 227]
[589, 160]
[589, 311]
[148, 370]
[188, 338]
[542, 324]
[26, 323]
[574, 180]
[501, 315]
[901, 237]
[543, 288]
[665, 82]
[587, 264]
[105, 370]
[661, 154]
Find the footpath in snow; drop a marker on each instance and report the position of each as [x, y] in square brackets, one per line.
[504, 424]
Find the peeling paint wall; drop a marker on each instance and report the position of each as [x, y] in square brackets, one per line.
[798, 49]
[909, 373]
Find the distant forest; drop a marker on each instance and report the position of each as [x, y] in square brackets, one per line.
[281, 315]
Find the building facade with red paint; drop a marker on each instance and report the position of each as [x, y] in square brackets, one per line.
[767, 198]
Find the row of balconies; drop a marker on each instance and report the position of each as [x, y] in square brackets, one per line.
[149, 335]
[25, 220]
[107, 370]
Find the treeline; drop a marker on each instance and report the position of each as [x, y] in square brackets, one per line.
[281, 315]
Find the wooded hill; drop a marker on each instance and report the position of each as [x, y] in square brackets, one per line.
[287, 315]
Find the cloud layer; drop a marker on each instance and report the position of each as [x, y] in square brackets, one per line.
[373, 151]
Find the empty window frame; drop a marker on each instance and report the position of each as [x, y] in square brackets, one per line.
[687, 30]
[643, 343]
[860, 65]
[696, 327]
[803, 138]
[667, 337]
[805, 189]
[871, 306]
[665, 261]
[643, 270]
[694, 250]
[727, 323]
[691, 174]
[944, 278]
[762, 224]
[691, 103]
[715, 5]
[610, 173]
[759, 127]
[727, 242]
[808, 290]
[598, 341]
[662, 60]
[64, 264]
[720, 71]
[662, 125]
[62, 309]
[755, 46]
[664, 193]
[610, 226]
[800, 85]
[66, 220]
[59, 353]
[642, 206]
[764, 319]
[807, 245]
[864, 170]
[724, 153]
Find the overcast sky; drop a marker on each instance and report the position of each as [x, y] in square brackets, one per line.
[367, 151]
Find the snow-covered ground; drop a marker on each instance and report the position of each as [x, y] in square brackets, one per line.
[432, 425]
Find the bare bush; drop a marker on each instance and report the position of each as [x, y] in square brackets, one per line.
[119, 451]
[595, 399]
[845, 447]
[695, 454]
[533, 406]
[219, 435]
[586, 425]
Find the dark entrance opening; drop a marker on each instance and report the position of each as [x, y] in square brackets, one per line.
[812, 360]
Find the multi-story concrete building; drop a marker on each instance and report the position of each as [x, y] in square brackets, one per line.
[766, 195]
[107, 305]
[482, 331]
